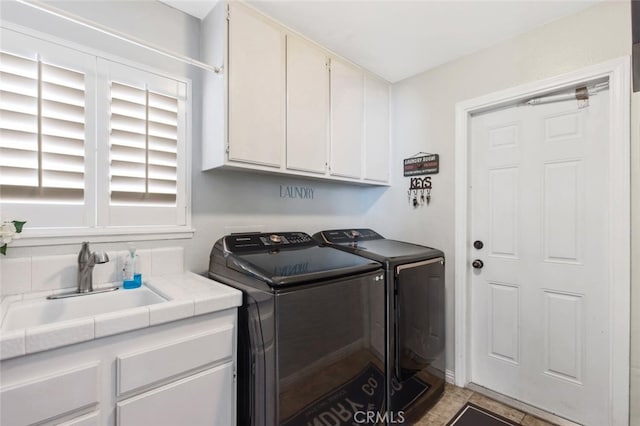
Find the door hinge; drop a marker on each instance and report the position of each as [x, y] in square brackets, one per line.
[228, 13]
[226, 150]
[328, 64]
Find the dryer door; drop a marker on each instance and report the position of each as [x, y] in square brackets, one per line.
[419, 317]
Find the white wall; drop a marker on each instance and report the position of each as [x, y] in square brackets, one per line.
[424, 113]
[146, 20]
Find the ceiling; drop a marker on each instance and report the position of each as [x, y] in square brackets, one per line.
[397, 39]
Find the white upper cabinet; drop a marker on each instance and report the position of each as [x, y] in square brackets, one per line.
[307, 107]
[280, 103]
[376, 130]
[347, 113]
[256, 88]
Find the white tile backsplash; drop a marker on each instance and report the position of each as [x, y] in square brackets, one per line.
[143, 262]
[111, 271]
[54, 272]
[47, 274]
[166, 261]
[15, 276]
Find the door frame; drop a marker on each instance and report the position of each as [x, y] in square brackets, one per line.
[619, 201]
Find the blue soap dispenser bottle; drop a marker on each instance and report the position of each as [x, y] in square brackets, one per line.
[130, 278]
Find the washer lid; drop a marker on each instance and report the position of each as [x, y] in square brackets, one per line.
[370, 244]
[391, 249]
[293, 262]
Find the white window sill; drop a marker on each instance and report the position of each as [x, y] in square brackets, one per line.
[52, 236]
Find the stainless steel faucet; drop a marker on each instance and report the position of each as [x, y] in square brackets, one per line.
[86, 262]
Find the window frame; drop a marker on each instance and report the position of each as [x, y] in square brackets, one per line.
[94, 225]
[108, 213]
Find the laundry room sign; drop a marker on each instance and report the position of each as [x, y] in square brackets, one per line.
[299, 192]
[427, 164]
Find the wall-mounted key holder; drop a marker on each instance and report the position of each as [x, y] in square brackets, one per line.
[419, 191]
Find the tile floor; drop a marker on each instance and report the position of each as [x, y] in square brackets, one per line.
[454, 398]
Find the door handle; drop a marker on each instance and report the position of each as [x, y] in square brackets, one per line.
[477, 264]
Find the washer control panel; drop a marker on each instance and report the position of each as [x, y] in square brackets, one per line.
[338, 236]
[267, 241]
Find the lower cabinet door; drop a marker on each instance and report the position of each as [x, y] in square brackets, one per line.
[205, 398]
[40, 399]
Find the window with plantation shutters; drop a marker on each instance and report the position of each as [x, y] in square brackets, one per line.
[42, 131]
[143, 146]
[90, 146]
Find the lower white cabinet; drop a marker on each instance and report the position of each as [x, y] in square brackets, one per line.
[40, 398]
[201, 399]
[178, 373]
[172, 359]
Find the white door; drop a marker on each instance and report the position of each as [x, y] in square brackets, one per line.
[307, 107]
[540, 315]
[347, 111]
[256, 88]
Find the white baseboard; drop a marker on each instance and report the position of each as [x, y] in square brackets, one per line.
[450, 376]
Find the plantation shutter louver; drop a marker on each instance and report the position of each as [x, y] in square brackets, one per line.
[143, 144]
[42, 132]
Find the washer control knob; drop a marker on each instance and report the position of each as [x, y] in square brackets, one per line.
[276, 239]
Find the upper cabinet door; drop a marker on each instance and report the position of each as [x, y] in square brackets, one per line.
[307, 107]
[376, 130]
[347, 98]
[256, 88]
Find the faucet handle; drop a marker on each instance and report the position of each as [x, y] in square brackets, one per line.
[100, 257]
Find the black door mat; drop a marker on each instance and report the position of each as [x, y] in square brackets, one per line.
[339, 406]
[473, 415]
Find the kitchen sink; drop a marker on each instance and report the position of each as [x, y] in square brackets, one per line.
[34, 312]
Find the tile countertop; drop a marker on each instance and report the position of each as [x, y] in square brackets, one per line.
[187, 295]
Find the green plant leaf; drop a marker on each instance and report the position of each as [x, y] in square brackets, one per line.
[3, 250]
[18, 224]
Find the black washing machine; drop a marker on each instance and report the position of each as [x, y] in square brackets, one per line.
[415, 315]
[311, 341]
